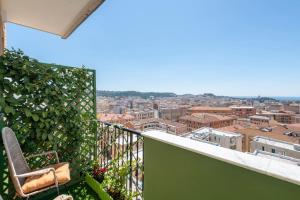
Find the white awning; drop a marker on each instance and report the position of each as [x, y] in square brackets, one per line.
[60, 17]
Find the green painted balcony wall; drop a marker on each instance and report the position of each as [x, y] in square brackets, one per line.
[179, 174]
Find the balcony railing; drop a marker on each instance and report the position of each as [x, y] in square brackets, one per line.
[124, 147]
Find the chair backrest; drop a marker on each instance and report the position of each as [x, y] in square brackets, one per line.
[16, 161]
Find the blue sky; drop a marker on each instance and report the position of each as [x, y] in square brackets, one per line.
[227, 47]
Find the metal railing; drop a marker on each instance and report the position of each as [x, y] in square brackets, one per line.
[124, 147]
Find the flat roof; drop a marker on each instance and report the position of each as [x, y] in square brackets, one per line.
[269, 167]
[157, 120]
[200, 108]
[207, 130]
[239, 107]
[259, 117]
[276, 133]
[278, 157]
[275, 143]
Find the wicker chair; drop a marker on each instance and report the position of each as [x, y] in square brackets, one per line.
[18, 166]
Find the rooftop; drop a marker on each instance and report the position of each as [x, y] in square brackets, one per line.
[233, 128]
[205, 117]
[154, 120]
[259, 117]
[208, 131]
[241, 107]
[114, 117]
[278, 157]
[277, 143]
[204, 108]
[277, 132]
[276, 113]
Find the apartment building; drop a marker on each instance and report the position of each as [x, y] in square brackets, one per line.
[211, 110]
[281, 117]
[172, 114]
[118, 109]
[158, 124]
[293, 108]
[115, 118]
[199, 120]
[274, 146]
[224, 139]
[297, 119]
[285, 118]
[243, 111]
[275, 107]
[145, 114]
[260, 120]
[283, 133]
[277, 157]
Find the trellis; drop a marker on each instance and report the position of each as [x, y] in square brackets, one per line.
[83, 155]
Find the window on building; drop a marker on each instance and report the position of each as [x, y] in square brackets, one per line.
[263, 148]
[273, 150]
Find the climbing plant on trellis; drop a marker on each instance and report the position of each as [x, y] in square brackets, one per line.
[50, 107]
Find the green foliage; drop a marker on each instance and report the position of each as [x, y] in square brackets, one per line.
[115, 180]
[48, 106]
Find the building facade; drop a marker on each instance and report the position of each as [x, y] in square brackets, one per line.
[146, 114]
[172, 114]
[158, 124]
[293, 108]
[260, 120]
[281, 117]
[243, 111]
[211, 110]
[274, 146]
[199, 120]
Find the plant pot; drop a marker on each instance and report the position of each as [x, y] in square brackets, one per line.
[99, 178]
[97, 187]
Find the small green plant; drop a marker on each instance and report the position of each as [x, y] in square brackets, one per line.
[115, 180]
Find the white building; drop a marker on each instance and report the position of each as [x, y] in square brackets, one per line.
[277, 157]
[275, 147]
[224, 139]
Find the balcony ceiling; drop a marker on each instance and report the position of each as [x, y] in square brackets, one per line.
[60, 17]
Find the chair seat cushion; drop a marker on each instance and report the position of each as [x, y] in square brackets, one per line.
[35, 183]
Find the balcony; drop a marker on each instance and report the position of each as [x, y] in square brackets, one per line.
[180, 168]
[161, 165]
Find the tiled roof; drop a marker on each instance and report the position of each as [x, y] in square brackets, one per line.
[204, 108]
[205, 118]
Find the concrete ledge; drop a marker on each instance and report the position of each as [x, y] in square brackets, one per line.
[274, 168]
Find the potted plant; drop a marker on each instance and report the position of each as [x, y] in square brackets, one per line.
[110, 183]
[95, 179]
[115, 181]
[99, 174]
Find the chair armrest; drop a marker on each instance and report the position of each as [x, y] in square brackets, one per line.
[40, 172]
[45, 154]
[36, 173]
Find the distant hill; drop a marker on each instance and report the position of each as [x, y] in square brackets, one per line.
[134, 94]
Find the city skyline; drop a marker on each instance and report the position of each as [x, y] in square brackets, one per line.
[232, 48]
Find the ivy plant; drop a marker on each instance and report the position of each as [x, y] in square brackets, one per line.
[45, 104]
